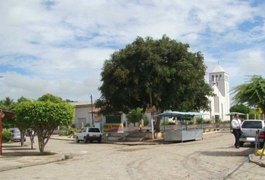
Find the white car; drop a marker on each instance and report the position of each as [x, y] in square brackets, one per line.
[89, 134]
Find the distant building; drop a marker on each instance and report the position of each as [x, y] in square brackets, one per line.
[220, 103]
[83, 115]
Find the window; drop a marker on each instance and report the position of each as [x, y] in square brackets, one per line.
[252, 124]
[93, 130]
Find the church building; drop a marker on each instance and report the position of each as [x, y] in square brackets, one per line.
[220, 103]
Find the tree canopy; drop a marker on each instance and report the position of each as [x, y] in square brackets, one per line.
[43, 117]
[135, 116]
[51, 98]
[240, 108]
[252, 93]
[148, 72]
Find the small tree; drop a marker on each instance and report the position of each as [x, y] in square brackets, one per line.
[135, 116]
[252, 93]
[44, 118]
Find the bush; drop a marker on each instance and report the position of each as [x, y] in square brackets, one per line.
[6, 135]
[146, 122]
[67, 131]
[201, 120]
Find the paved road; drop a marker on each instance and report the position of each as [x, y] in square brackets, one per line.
[212, 158]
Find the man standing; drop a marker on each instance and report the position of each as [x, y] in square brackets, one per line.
[236, 125]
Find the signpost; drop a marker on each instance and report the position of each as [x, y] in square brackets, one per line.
[1, 129]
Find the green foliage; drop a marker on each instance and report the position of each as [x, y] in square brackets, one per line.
[87, 125]
[155, 72]
[6, 135]
[65, 131]
[51, 98]
[43, 117]
[203, 121]
[7, 102]
[146, 122]
[135, 116]
[252, 93]
[240, 108]
[22, 99]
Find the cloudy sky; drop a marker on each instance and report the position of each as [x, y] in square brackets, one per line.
[59, 46]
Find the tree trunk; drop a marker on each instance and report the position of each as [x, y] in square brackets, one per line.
[22, 135]
[41, 143]
[32, 135]
[157, 124]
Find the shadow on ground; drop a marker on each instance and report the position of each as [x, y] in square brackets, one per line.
[245, 152]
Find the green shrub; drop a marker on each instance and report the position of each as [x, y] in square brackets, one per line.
[145, 121]
[6, 135]
[67, 131]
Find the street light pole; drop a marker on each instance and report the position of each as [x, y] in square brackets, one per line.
[93, 124]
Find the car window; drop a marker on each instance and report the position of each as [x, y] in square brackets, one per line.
[93, 130]
[252, 124]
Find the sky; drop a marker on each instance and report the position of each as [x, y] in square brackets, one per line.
[60, 46]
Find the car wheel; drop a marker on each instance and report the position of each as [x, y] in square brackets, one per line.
[261, 144]
[77, 140]
[85, 140]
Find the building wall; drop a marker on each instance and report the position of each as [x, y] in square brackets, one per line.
[82, 114]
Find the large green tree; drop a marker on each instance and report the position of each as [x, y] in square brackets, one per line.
[148, 72]
[44, 117]
[252, 93]
[240, 108]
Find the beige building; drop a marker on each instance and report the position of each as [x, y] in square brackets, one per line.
[84, 116]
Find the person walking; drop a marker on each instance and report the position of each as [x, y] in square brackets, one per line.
[236, 125]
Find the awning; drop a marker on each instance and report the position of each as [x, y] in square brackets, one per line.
[178, 113]
[233, 113]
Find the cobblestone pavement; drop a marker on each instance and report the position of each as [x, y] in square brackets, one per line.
[212, 158]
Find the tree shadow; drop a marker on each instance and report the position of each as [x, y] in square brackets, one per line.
[228, 153]
[26, 153]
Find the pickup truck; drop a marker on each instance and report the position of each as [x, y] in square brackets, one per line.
[89, 134]
[249, 129]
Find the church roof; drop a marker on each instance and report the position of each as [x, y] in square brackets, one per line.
[218, 68]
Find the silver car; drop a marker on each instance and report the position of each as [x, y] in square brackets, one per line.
[249, 130]
[16, 135]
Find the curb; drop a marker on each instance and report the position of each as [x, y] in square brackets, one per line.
[255, 159]
[57, 158]
[62, 138]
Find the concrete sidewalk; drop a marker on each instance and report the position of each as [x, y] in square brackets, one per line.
[256, 159]
[14, 157]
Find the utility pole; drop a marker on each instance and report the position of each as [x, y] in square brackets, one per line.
[92, 113]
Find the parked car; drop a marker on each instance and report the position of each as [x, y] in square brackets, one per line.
[89, 134]
[16, 135]
[249, 130]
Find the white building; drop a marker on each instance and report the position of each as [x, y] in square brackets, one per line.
[83, 115]
[220, 103]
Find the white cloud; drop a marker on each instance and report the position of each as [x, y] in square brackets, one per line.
[60, 46]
